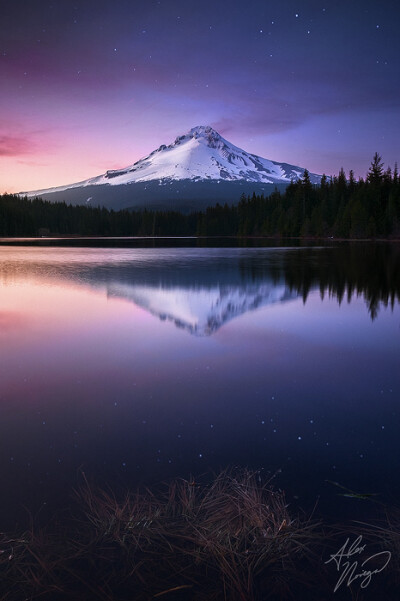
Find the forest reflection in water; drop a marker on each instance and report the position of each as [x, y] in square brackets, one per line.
[370, 271]
[200, 289]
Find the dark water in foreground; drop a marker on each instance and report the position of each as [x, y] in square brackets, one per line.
[138, 365]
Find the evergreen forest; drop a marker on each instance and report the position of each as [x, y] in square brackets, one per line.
[340, 207]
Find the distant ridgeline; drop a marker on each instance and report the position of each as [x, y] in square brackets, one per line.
[339, 207]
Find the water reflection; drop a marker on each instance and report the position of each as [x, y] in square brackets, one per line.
[199, 290]
[201, 311]
[91, 378]
[370, 271]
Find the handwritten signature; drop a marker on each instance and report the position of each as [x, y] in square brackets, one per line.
[353, 570]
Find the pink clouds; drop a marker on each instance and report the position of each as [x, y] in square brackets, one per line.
[15, 145]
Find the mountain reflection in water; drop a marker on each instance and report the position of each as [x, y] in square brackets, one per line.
[201, 311]
[201, 289]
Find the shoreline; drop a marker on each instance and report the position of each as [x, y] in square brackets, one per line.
[329, 239]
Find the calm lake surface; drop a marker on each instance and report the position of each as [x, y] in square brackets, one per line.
[137, 365]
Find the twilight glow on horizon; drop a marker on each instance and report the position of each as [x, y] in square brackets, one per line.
[89, 85]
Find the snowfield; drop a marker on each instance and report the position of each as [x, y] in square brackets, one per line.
[199, 155]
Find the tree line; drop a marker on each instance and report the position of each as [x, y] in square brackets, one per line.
[340, 206]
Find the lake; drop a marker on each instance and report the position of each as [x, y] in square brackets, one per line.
[138, 365]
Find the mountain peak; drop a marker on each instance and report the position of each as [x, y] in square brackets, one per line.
[200, 155]
[203, 130]
[200, 131]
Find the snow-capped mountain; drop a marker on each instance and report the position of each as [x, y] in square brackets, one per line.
[200, 156]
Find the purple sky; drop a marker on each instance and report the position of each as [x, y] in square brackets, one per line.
[92, 85]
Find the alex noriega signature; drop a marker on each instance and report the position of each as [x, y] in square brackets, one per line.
[356, 569]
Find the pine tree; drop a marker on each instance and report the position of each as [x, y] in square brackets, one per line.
[375, 173]
[306, 178]
[395, 174]
[342, 181]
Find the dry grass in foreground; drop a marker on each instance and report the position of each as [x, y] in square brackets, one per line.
[232, 539]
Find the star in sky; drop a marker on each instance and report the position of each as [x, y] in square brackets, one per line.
[98, 85]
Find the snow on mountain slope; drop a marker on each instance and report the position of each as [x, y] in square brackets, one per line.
[200, 155]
